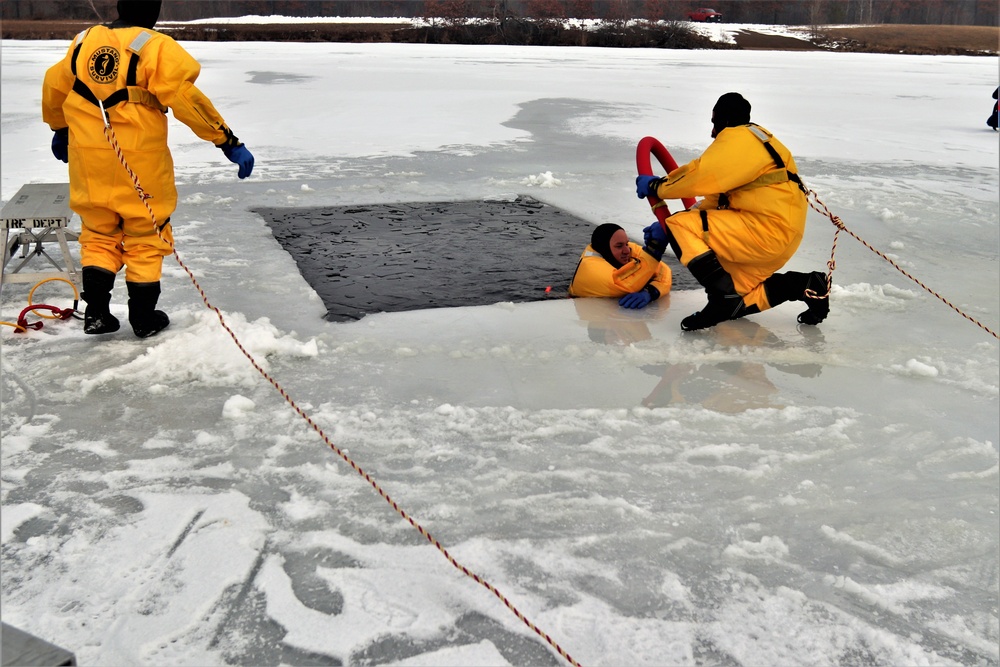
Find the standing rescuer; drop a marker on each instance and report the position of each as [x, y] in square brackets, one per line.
[748, 224]
[137, 74]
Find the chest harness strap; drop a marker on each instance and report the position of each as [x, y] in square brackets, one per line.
[132, 92]
[782, 174]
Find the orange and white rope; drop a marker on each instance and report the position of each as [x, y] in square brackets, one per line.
[820, 207]
[144, 196]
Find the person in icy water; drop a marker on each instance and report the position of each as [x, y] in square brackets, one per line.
[747, 225]
[614, 266]
[127, 75]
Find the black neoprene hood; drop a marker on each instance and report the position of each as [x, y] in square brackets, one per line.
[142, 13]
[730, 111]
[600, 241]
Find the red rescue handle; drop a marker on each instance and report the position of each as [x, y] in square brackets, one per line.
[649, 147]
[22, 320]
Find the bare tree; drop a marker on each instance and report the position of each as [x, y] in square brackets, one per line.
[546, 9]
[866, 9]
[446, 12]
[581, 9]
[817, 15]
[618, 13]
[657, 10]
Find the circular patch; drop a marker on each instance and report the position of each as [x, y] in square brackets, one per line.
[104, 64]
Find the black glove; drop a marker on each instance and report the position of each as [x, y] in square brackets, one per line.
[60, 144]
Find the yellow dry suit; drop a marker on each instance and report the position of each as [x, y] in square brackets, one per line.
[753, 210]
[137, 73]
[595, 276]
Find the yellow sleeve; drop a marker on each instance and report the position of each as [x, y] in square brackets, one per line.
[596, 277]
[56, 86]
[643, 270]
[735, 158]
[195, 110]
[664, 279]
[171, 73]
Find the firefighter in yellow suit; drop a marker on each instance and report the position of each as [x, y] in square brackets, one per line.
[614, 266]
[128, 75]
[747, 225]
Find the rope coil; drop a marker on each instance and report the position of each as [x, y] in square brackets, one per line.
[144, 196]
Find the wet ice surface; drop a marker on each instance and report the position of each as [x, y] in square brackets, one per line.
[756, 494]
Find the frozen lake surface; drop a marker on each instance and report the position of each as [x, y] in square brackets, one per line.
[756, 494]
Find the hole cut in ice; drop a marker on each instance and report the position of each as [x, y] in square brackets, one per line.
[395, 257]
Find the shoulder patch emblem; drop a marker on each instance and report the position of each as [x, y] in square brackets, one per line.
[104, 64]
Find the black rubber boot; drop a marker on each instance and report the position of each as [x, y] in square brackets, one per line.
[792, 286]
[723, 301]
[146, 321]
[97, 286]
[818, 309]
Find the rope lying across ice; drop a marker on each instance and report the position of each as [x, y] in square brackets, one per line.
[839, 224]
[144, 196]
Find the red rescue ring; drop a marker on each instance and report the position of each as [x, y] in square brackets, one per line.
[649, 147]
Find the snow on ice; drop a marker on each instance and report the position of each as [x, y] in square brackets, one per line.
[760, 493]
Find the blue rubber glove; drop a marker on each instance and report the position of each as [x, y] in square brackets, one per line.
[645, 186]
[60, 144]
[241, 156]
[636, 300]
[647, 235]
[656, 239]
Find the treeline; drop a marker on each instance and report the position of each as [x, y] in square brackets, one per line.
[510, 31]
[778, 12]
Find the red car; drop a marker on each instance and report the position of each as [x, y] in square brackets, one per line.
[705, 14]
